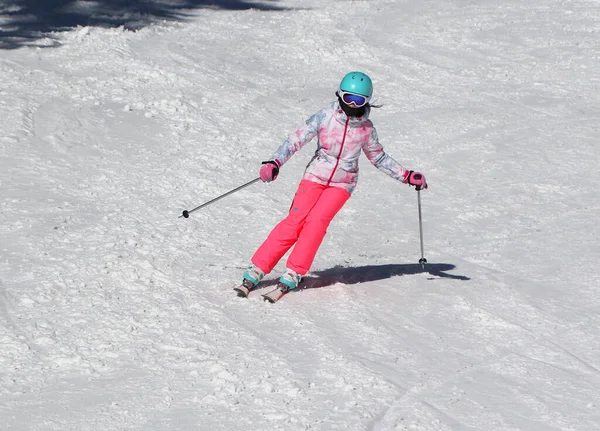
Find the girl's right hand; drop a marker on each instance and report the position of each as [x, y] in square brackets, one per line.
[269, 171]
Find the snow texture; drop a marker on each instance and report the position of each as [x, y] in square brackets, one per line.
[117, 314]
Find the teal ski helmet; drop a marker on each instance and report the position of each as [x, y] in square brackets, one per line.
[358, 83]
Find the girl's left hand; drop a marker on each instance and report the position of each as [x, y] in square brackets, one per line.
[416, 179]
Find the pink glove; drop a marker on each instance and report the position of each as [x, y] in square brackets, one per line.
[415, 179]
[269, 171]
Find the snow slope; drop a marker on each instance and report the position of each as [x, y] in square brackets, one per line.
[115, 314]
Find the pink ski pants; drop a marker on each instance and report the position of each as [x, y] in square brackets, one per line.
[312, 210]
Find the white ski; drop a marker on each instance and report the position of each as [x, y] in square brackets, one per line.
[276, 294]
[244, 289]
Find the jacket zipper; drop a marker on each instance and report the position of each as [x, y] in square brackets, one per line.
[337, 162]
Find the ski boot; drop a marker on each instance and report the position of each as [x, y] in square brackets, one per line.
[287, 282]
[252, 277]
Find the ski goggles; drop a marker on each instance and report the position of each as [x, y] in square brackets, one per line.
[357, 100]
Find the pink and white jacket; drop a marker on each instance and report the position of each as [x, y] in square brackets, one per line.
[340, 140]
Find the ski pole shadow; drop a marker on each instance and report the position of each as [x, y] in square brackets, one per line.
[362, 274]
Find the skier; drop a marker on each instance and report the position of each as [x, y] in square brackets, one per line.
[342, 130]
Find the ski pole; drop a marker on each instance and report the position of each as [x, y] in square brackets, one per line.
[422, 261]
[187, 213]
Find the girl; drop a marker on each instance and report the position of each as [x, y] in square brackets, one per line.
[342, 130]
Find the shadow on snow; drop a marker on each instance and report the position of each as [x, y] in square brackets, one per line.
[25, 22]
[363, 274]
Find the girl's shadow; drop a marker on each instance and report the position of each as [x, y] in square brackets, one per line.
[363, 274]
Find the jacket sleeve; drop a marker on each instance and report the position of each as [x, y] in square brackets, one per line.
[381, 160]
[299, 138]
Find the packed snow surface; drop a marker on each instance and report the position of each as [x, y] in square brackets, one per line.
[117, 314]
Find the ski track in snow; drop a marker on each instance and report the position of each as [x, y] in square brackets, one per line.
[115, 314]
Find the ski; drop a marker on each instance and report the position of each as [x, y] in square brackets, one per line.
[276, 294]
[244, 289]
